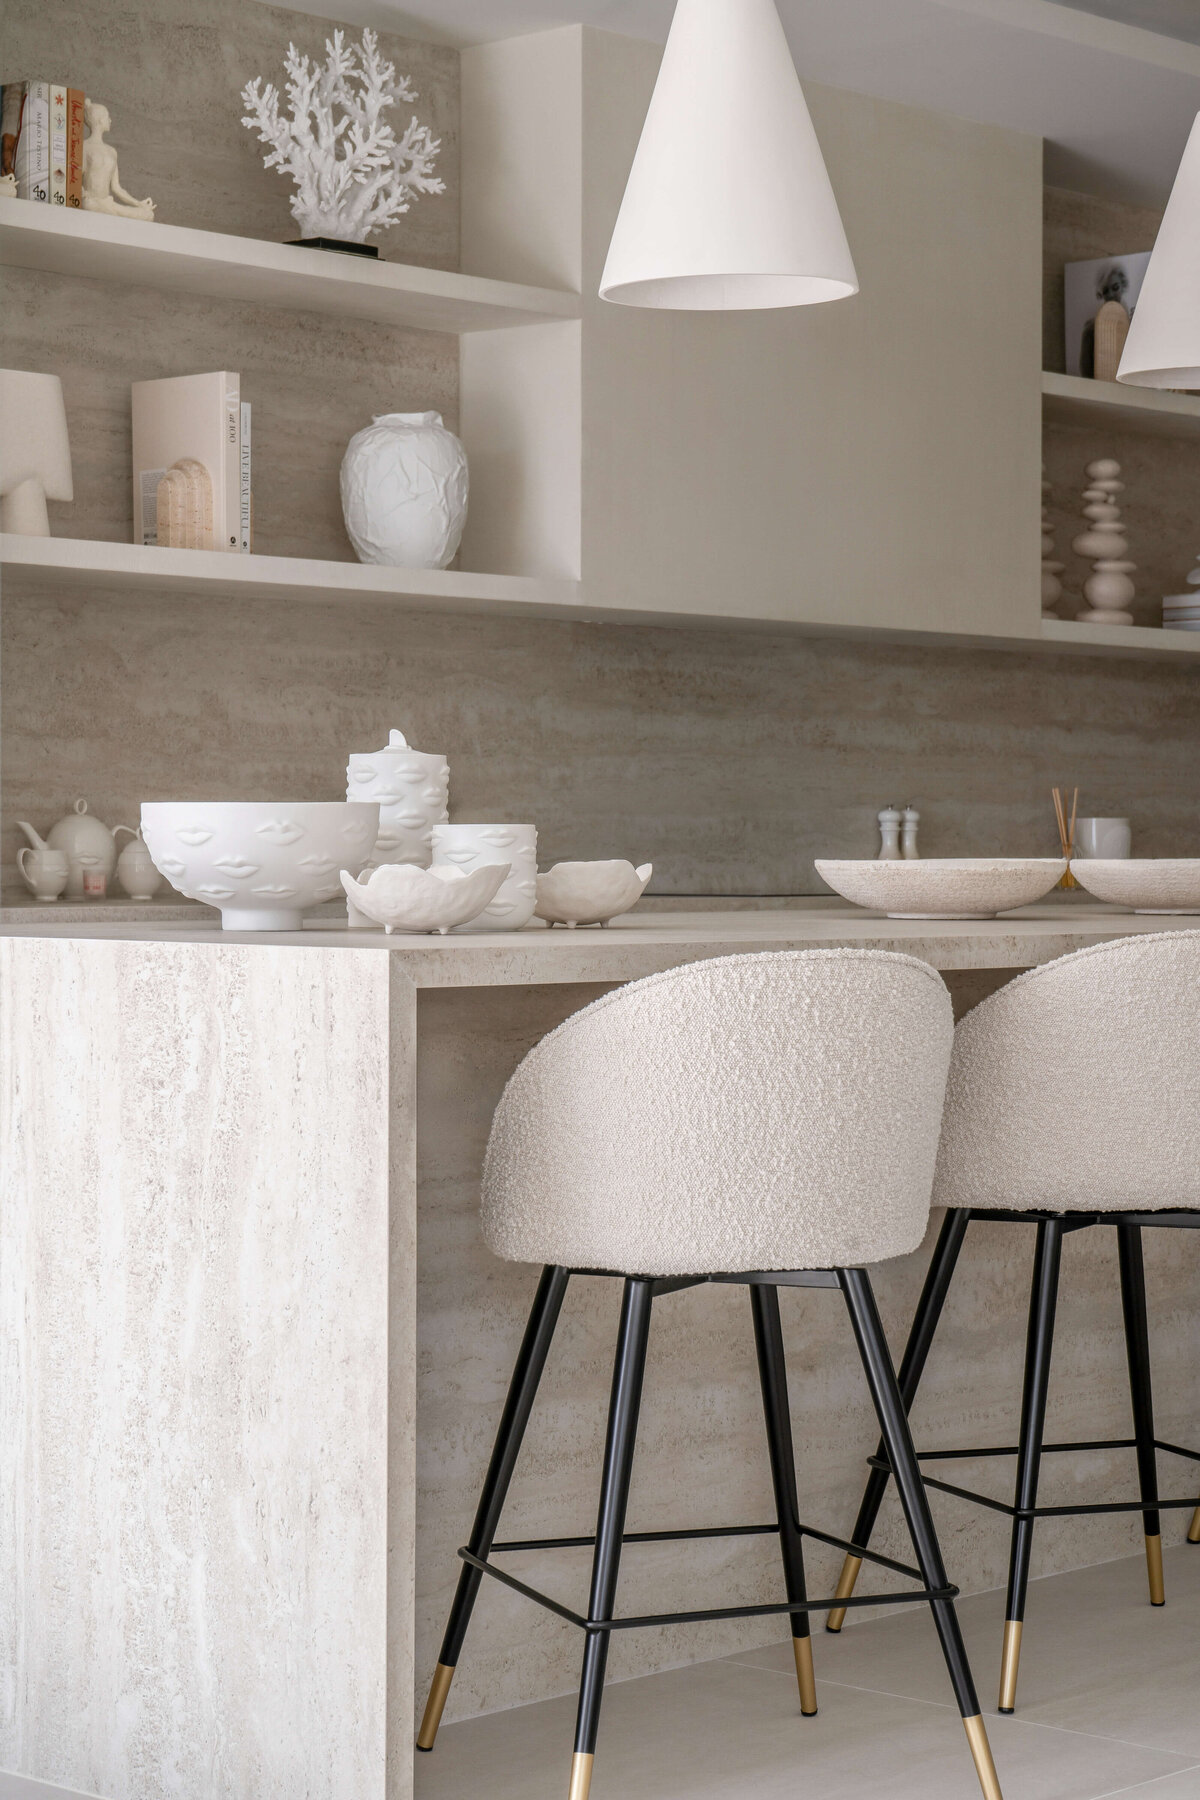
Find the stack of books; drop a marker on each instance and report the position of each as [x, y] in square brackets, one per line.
[191, 463]
[1181, 612]
[41, 140]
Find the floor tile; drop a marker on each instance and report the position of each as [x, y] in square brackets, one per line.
[728, 1731]
[1183, 1786]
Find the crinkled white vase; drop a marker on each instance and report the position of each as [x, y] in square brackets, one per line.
[404, 491]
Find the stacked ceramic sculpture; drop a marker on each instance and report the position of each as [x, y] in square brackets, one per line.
[1108, 589]
[413, 791]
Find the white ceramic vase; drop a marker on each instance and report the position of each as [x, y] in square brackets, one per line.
[404, 491]
[470, 847]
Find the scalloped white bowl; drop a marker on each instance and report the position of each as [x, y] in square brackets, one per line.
[400, 897]
[1166, 884]
[945, 887]
[589, 893]
[261, 861]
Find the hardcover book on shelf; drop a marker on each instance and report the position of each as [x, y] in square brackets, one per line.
[58, 145]
[75, 134]
[25, 129]
[187, 472]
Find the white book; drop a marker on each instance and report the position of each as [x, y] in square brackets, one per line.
[180, 418]
[244, 471]
[33, 145]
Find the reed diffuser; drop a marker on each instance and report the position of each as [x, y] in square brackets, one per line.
[1066, 831]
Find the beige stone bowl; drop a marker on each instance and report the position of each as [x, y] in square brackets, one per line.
[950, 887]
[1143, 884]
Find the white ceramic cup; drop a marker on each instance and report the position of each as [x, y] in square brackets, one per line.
[1105, 838]
[471, 846]
[44, 871]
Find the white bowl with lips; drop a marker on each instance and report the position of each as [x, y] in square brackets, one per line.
[262, 862]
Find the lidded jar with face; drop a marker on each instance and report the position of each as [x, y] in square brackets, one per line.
[413, 791]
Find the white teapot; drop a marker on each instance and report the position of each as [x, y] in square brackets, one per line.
[89, 846]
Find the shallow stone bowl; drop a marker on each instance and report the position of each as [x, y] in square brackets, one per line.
[945, 887]
[261, 861]
[1142, 884]
[401, 897]
[589, 893]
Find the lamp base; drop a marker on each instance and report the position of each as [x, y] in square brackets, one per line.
[23, 509]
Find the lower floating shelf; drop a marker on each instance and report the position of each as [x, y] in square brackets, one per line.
[1133, 640]
[100, 567]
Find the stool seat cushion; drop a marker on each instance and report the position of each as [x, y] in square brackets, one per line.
[769, 1111]
[1076, 1088]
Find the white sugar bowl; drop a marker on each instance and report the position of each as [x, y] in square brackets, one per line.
[412, 788]
[135, 866]
[471, 847]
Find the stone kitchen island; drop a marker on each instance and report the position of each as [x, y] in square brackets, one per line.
[253, 1351]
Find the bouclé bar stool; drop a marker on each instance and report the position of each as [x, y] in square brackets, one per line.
[1072, 1102]
[766, 1120]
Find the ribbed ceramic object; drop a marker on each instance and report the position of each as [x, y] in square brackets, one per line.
[470, 847]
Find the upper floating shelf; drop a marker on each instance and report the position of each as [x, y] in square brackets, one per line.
[1074, 400]
[177, 259]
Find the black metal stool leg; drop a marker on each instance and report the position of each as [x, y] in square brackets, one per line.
[1043, 1301]
[531, 1360]
[893, 1423]
[628, 1371]
[1137, 1349]
[772, 1374]
[912, 1367]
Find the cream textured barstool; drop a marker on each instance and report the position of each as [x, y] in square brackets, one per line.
[1072, 1102]
[769, 1120]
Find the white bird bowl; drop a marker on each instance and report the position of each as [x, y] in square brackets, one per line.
[401, 897]
[950, 887]
[589, 893]
[261, 861]
[1143, 884]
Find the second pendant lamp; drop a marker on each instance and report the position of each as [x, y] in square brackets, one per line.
[728, 204]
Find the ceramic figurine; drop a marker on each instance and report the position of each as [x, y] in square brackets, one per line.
[889, 835]
[91, 849]
[102, 190]
[402, 898]
[353, 175]
[44, 871]
[35, 455]
[1051, 570]
[412, 788]
[135, 866]
[589, 893]
[472, 847]
[1108, 589]
[404, 491]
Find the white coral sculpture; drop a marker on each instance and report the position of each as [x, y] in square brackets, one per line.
[352, 175]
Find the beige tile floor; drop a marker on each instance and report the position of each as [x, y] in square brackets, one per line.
[1109, 1705]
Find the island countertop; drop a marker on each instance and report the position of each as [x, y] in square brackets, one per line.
[645, 942]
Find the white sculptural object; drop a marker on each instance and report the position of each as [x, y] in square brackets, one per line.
[1051, 570]
[404, 485]
[1108, 589]
[102, 190]
[35, 455]
[589, 893]
[353, 175]
[401, 897]
[413, 791]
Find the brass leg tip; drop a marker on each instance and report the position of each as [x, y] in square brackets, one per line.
[806, 1679]
[439, 1687]
[1154, 1571]
[1193, 1536]
[1009, 1663]
[981, 1751]
[581, 1775]
[835, 1618]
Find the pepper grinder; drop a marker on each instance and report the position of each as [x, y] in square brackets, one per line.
[910, 819]
[889, 835]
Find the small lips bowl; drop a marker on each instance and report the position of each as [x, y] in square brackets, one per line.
[1142, 884]
[262, 862]
[401, 897]
[589, 893]
[960, 887]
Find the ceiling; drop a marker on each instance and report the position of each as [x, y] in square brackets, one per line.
[1112, 85]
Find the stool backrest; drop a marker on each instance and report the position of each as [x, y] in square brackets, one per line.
[1077, 1086]
[772, 1111]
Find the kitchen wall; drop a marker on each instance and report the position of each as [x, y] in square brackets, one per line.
[730, 760]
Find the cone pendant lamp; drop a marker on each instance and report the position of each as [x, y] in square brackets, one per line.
[1163, 346]
[728, 204]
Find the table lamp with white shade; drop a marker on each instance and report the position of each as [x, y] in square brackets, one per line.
[35, 455]
[1163, 346]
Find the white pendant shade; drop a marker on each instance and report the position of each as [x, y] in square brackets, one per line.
[728, 203]
[1163, 346]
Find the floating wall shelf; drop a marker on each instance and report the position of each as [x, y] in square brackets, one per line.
[179, 260]
[59, 565]
[1117, 640]
[1074, 400]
